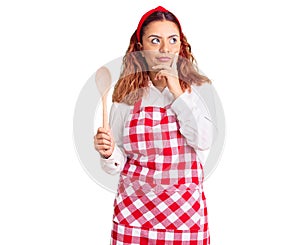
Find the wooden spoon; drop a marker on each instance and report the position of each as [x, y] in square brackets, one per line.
[103, 82]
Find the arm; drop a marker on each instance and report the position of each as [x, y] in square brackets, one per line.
[115, 163]
[194, 120]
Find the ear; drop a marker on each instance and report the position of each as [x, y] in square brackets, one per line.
[140, 47]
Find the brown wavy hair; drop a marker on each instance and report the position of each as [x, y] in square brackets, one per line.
[134, 78]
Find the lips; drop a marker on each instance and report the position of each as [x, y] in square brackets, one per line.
[163, 59]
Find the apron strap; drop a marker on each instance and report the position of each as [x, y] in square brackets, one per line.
[137, 106]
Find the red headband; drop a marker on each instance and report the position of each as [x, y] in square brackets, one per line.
[146, 15]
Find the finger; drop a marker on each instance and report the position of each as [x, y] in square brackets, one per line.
[111, 137]
[103, 147]
[162, 74]
[166, 72]
[161, 67]
[158, 76]
[109, 132]
[102, 130]
[103, 142]
[103, 136]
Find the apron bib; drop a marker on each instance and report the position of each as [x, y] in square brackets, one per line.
[160, 188]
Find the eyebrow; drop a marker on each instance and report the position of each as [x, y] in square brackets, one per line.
[153, 35]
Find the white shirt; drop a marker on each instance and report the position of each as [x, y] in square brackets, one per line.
[192, 114]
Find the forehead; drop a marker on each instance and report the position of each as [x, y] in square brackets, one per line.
[162, 28]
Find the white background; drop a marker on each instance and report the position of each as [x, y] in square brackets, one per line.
[49, 49]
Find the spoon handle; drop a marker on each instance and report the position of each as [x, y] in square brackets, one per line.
[104, 115]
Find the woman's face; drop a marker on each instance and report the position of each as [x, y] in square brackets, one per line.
[161, 41]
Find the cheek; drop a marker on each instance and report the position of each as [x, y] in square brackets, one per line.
[150, 54]
[176, 48]
[149, 59]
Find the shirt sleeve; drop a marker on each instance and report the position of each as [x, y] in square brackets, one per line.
[194, 120]
[115, 163]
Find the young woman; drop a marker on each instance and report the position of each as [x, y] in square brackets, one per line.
[159, 128]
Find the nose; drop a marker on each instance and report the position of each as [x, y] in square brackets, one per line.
[164, 47]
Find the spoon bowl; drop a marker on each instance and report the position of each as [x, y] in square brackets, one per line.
[103, 81]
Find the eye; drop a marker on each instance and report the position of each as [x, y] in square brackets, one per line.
[173, 40]
[155, 41]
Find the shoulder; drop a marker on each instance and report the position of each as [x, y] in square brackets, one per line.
[202, 87]
[120, 107]
[203, 91]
